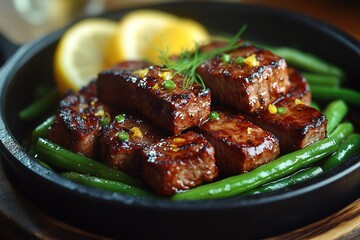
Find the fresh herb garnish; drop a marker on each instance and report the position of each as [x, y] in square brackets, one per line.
[225, 58]
[169, 85]
[214, 115]
[123, 136]
[120, 118]
[239, 60]
[188, 61]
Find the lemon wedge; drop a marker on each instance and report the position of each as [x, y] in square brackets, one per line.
[177, 37]
[143, 34]
[134, 32]
[80, 53]
[95, 44]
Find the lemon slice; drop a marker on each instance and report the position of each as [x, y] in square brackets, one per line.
[134, 32]
[80, 54]
[177, 37]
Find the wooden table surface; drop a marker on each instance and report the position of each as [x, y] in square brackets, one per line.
[19, 219]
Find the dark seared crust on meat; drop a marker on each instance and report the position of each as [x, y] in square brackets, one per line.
[240, 145]
[171, 110]
[242, 86]
[179, 163]
[78, 121]
[123, 155]
[298, 127]
[299, 87]
[301, 124]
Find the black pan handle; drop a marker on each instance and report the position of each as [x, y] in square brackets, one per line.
[7, 48]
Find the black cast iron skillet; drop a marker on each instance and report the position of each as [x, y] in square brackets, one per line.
[117, 215]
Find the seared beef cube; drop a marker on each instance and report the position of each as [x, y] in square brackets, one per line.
[122, 139]
[178, 163]
[79, 116]
[240, 145]
[173, 110]
[299, 87]
[78, 121]
[249, 84]
[296, 127]
[300, 124]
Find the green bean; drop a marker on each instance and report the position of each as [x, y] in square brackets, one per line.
[300, 176]
[335, 112]
[343, 130]
[350, 96]
[45, 165]
[316, 79]
[106, 184]
[41, 90]
[43, 129]
[307, 61]
[349, 146]
[40, 106]
[66, 160]
[315, 105]
[282, 166]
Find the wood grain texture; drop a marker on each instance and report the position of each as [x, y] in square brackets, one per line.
[344, 224]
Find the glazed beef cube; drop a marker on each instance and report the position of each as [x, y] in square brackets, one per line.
[299, 126]
[245, 85]
[79, 116]
[299, 87]
[78, 121]
[122, 153]
[240, 145]
[178, 163]
[173, 110]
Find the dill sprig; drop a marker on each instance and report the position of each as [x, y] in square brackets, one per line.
[188, 61]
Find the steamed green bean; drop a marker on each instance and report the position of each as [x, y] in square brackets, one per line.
[40, 106]
[350, 96]
[300, 176]
[335, 112]
[106, 184]
[349, 146]
[59, 157]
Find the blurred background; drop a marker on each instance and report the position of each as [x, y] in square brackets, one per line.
[25, 20]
